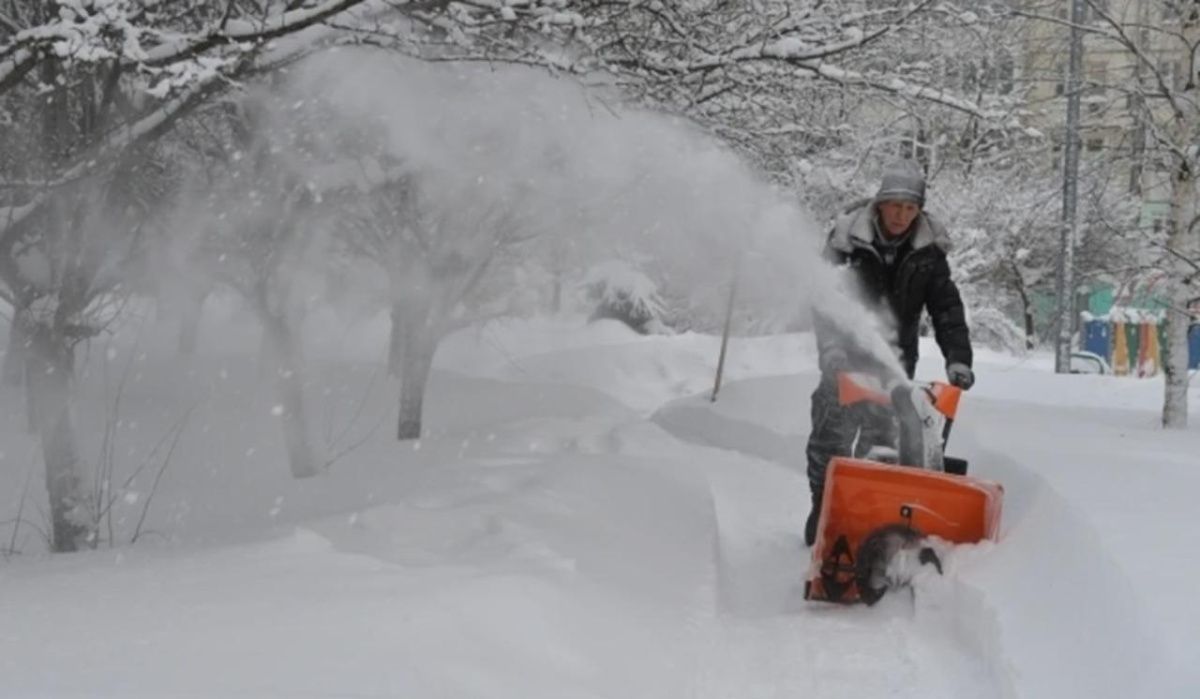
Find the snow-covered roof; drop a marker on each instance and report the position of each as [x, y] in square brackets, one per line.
[1125, 314]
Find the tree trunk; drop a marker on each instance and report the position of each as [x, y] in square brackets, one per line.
[50, 370]
[420, 343]
[1175, 374]
[289, 391]
[1026, 309]
[1181, 242]
[12, 373]
[191, 308]
[396, 343]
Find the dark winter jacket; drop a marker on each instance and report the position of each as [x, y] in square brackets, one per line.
[918, 279]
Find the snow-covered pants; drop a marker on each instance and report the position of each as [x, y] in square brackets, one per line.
[839, 430]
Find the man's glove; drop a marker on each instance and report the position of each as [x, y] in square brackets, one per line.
[960, 375]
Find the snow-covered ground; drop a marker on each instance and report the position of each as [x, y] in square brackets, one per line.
[580, 521]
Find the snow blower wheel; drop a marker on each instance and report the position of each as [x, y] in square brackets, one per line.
[875, 556]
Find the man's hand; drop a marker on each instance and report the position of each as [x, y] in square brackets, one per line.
[960, 375]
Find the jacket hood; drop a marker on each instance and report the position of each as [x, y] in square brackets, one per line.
[856, 228]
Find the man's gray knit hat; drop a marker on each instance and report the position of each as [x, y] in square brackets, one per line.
[902, 181]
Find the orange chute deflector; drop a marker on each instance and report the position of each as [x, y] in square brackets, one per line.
[862, 496]
[861, 388]
[945, 398]
[864, 388]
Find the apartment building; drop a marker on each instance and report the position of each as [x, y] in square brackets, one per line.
[1121, 95]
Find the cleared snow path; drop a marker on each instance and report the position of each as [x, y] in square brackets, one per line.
[1021, 616]
[898, 648]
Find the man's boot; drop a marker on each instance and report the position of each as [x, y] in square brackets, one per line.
[810, 526]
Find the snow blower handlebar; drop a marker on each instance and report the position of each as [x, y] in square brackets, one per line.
[856, 387]
[925, 413]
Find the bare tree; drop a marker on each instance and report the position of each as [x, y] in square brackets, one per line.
[90, 89]
[1008, 227]
[440, 245]
[1157, 81]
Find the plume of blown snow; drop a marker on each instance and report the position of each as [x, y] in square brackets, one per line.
[599, 181]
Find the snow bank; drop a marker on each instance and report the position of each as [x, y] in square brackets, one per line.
[582, 521]
[641, 372]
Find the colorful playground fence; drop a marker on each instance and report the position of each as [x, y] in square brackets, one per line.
[1133, 346]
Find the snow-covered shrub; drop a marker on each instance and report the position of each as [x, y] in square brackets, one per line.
[992, 327]
[623, 293]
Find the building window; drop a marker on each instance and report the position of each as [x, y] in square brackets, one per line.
[1094, 93]
[1097, 77]
[914, 147]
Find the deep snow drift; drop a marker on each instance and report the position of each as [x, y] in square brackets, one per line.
[581, 521]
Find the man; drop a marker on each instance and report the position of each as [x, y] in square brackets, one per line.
[896, 255]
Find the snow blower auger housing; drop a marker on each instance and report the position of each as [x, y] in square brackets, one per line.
[889, 503]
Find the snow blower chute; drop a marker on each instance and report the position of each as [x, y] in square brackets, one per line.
[881, 509]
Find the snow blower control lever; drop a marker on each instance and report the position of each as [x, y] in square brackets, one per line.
[924, 415]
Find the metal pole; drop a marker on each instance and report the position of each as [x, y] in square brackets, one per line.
[725, 336]
[1137, 110]
[1065, 286]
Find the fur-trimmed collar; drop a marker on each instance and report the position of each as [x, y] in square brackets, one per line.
[856, 228]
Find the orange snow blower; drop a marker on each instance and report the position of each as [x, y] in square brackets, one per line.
[878, 513]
